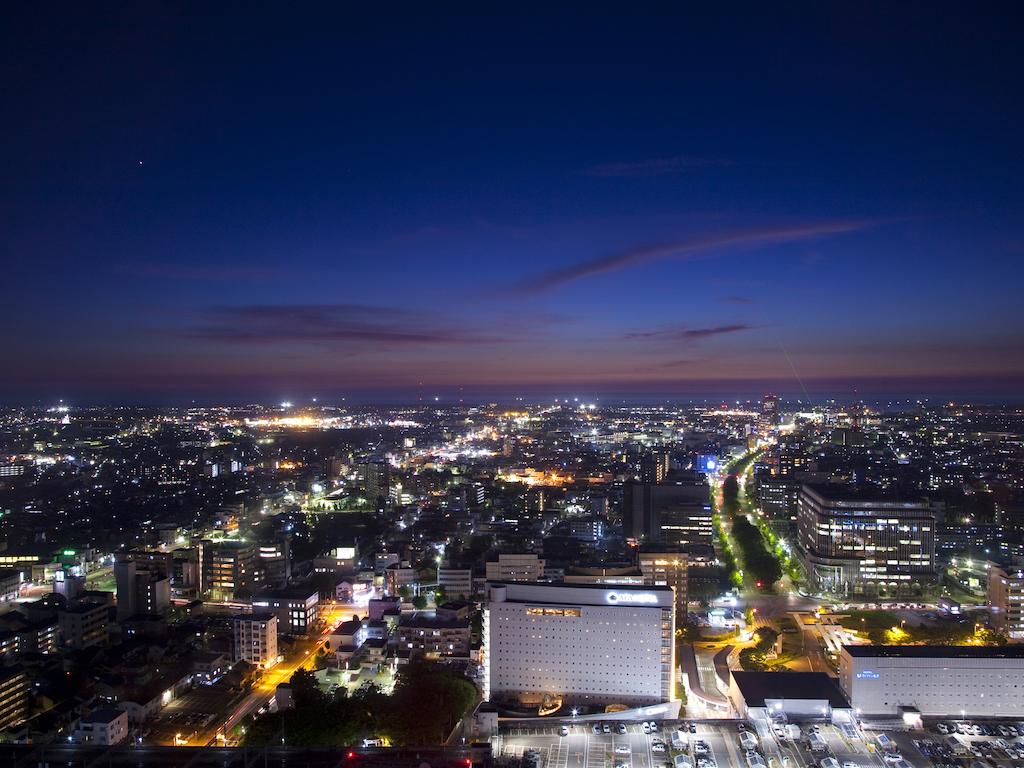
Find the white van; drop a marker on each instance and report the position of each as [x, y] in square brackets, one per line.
[829, 762]
[678, 740]
[748, 740]
[682, 761]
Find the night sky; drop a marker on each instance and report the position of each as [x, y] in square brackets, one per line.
[217, 203]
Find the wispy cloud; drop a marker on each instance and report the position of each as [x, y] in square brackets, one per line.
[689, 249]
[658, 166]
[330, 323]
[201, 272]
[690, 334]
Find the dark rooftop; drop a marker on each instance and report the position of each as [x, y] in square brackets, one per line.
[758, 686]
[936, 651]
[103, 715]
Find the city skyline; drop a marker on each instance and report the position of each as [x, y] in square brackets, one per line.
[398, 207]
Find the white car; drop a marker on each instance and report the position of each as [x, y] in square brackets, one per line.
[851, 764]
[563, 730]
[892, 757]
[657, 747]
[622, 749]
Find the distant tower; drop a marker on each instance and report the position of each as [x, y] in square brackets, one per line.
[769, 413]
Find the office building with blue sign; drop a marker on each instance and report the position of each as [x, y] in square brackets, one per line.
[934, 680]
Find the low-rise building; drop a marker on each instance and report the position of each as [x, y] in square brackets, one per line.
[423, 634]
[795, 695]
[347, 638]
[397, 576]
[515, 566]
[935, 680]
[103, 727]
[10, 583]
[457, 582]
[296, 608]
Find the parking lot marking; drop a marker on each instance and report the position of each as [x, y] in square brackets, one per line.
[597, 755]
[558, 755]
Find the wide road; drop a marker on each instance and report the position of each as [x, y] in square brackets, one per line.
[301, 656]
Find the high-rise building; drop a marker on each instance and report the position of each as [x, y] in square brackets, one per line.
[581, 643]
[1006, 599]
[685, 524]
[666, 567]
[274, 562]
[375, 480]
[865, 542]
[13, 696]
[142, 588]
[229, 568]
[654, 467]
[256, 639]
[769, 413]
[643, 505]
[779, 499]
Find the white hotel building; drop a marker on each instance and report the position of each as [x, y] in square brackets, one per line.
[935, 680]
[586, 643]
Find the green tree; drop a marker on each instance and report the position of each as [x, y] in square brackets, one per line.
[306, 691]
[419, 602]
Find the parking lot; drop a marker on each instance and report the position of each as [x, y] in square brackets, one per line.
[582, 748]
[932, 748]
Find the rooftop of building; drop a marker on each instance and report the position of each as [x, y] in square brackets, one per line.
[291, 592]
[104, 715]
[256, 616]
[756, 687]
[593, 587]
[838, 493]
[428, 620]
[936, 651]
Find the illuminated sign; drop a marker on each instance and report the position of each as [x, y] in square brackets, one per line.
[867, 674]
[707, 464]
[633, 598]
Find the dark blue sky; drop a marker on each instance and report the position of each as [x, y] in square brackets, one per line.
[213, 202]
